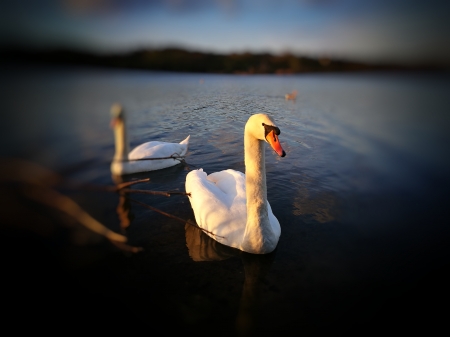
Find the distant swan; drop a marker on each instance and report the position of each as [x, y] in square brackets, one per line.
[126, 162]
[231, 206]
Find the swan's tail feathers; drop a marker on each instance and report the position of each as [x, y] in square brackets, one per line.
[186, 141]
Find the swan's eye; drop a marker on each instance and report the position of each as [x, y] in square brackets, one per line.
[269, 128]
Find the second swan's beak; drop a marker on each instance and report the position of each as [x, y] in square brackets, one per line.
[113, 123]
[272, 139]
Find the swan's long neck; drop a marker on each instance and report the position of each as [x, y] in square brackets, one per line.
[121, 141]
[258, 231]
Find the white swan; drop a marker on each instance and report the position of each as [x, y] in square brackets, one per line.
[233, 207]
[126, 162]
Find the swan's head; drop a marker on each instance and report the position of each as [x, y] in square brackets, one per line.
[117, 115]
[262, 127]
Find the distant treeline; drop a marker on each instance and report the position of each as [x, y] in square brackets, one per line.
[175, 59]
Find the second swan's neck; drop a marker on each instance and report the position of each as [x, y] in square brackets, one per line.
[258, 232]
[121, 142]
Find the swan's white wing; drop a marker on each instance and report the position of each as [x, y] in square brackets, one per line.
[230, 182]
[274, 223]
[156, 149]
[219, 204]
[151, 150]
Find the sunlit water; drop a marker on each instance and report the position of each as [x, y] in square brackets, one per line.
[361, 196]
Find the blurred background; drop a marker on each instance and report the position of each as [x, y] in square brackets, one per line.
[243, 36]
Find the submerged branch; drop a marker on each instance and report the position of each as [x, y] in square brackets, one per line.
[53, 199]
[127, 248]
[92, 187]
[172, 216]
[129, 183]
[23, 171]
[165, 193]
[122, 188]
[37, 184]
[127, 190]
[174, 156]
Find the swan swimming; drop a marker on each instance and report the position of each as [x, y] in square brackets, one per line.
[139, 159]
[231, 206]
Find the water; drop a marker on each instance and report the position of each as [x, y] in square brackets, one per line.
[361, 197]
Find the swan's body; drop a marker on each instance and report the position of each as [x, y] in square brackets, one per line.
[233, 207]
[143, 158]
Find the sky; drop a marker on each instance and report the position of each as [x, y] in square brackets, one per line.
[401, 31]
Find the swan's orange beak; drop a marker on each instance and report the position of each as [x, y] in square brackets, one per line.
[113, 123]
[272, 139]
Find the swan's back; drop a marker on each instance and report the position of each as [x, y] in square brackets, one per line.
[219, 204]
[155, 149]
[152, 149]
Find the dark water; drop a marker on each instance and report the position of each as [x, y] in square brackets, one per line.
[362, 199]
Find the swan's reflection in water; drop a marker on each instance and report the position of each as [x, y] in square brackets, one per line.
[123, 208]
[165, 179]
[160, 180]
[203, 248]
[124, 211]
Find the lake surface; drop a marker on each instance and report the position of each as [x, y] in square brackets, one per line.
[361, 196]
